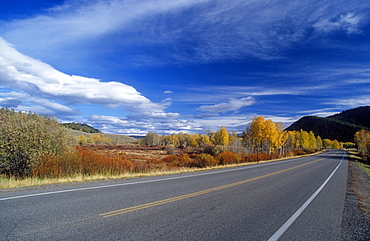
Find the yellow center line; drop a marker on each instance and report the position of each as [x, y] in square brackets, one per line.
[194, 194]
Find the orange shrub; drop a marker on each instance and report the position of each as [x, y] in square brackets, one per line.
[254, 157]
[227, 157]
[205, 160]
[83, 162]
[179, 160]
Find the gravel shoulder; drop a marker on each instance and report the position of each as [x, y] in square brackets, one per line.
[356, 215]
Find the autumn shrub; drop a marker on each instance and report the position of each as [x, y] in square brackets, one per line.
[218, 149]
[309, 150]
[171, 149]
[182, 160]
[84, 162]
[208, 149]
[252, 157]
[205, 160]
[275, 155]
[264, 156]
[289, 154]
[27, 137]
[256, 157]
[227, 157]
[298, 152]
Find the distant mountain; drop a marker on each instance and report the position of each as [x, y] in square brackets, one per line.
[341, 127]
[81, 127]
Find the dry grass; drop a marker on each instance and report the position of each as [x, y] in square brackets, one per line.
[360, 161]
[365, 167]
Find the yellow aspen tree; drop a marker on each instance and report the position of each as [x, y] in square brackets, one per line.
[192, 140]
[362, 139]
[293, 137]
[256, 129]
[304, 139]
[165, 140]
[282, 137]
[327, 143]
[312, 140]
[174, 139]
[213, 138]
[319, 143]
[271, 135]
[223, 136]
[255, 135]
[203, 140]
[336, 145]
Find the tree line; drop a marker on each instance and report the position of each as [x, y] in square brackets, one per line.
[262, 136]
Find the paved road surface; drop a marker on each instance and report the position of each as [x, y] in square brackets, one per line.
[298, 199]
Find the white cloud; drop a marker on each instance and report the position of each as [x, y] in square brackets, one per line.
[232, 105]
[363, 100]
[31, 76]
[81, 20]
[349, 23]
[24, 102]
[321, 112]
[143, 126]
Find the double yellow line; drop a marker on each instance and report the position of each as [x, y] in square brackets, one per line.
[194, 194]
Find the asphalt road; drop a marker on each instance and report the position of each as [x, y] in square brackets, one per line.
[297, 199]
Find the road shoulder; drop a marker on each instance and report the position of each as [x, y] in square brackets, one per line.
[356, 215]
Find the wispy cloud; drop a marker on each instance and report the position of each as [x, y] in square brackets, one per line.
[35, 78]
[190, 30]
[232, 105]
[362, 100]
[347, 22]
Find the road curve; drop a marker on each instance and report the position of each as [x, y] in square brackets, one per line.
[297, 199]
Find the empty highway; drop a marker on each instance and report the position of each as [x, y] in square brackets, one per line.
[296, 199]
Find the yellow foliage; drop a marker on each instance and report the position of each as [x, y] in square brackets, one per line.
[82, 140]
[265, 133]
[362, 139]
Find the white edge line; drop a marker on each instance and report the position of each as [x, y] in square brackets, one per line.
[140, 182]
[290, 221]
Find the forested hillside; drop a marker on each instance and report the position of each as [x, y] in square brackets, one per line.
[81, 127]
[341, 127]
[359, 116]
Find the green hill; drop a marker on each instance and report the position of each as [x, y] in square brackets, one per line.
[81, 127]
[341, 127]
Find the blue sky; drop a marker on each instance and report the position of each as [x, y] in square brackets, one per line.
[131, 66]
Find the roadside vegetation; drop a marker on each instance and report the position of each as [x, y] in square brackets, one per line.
[38, 150]
[362, 139]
